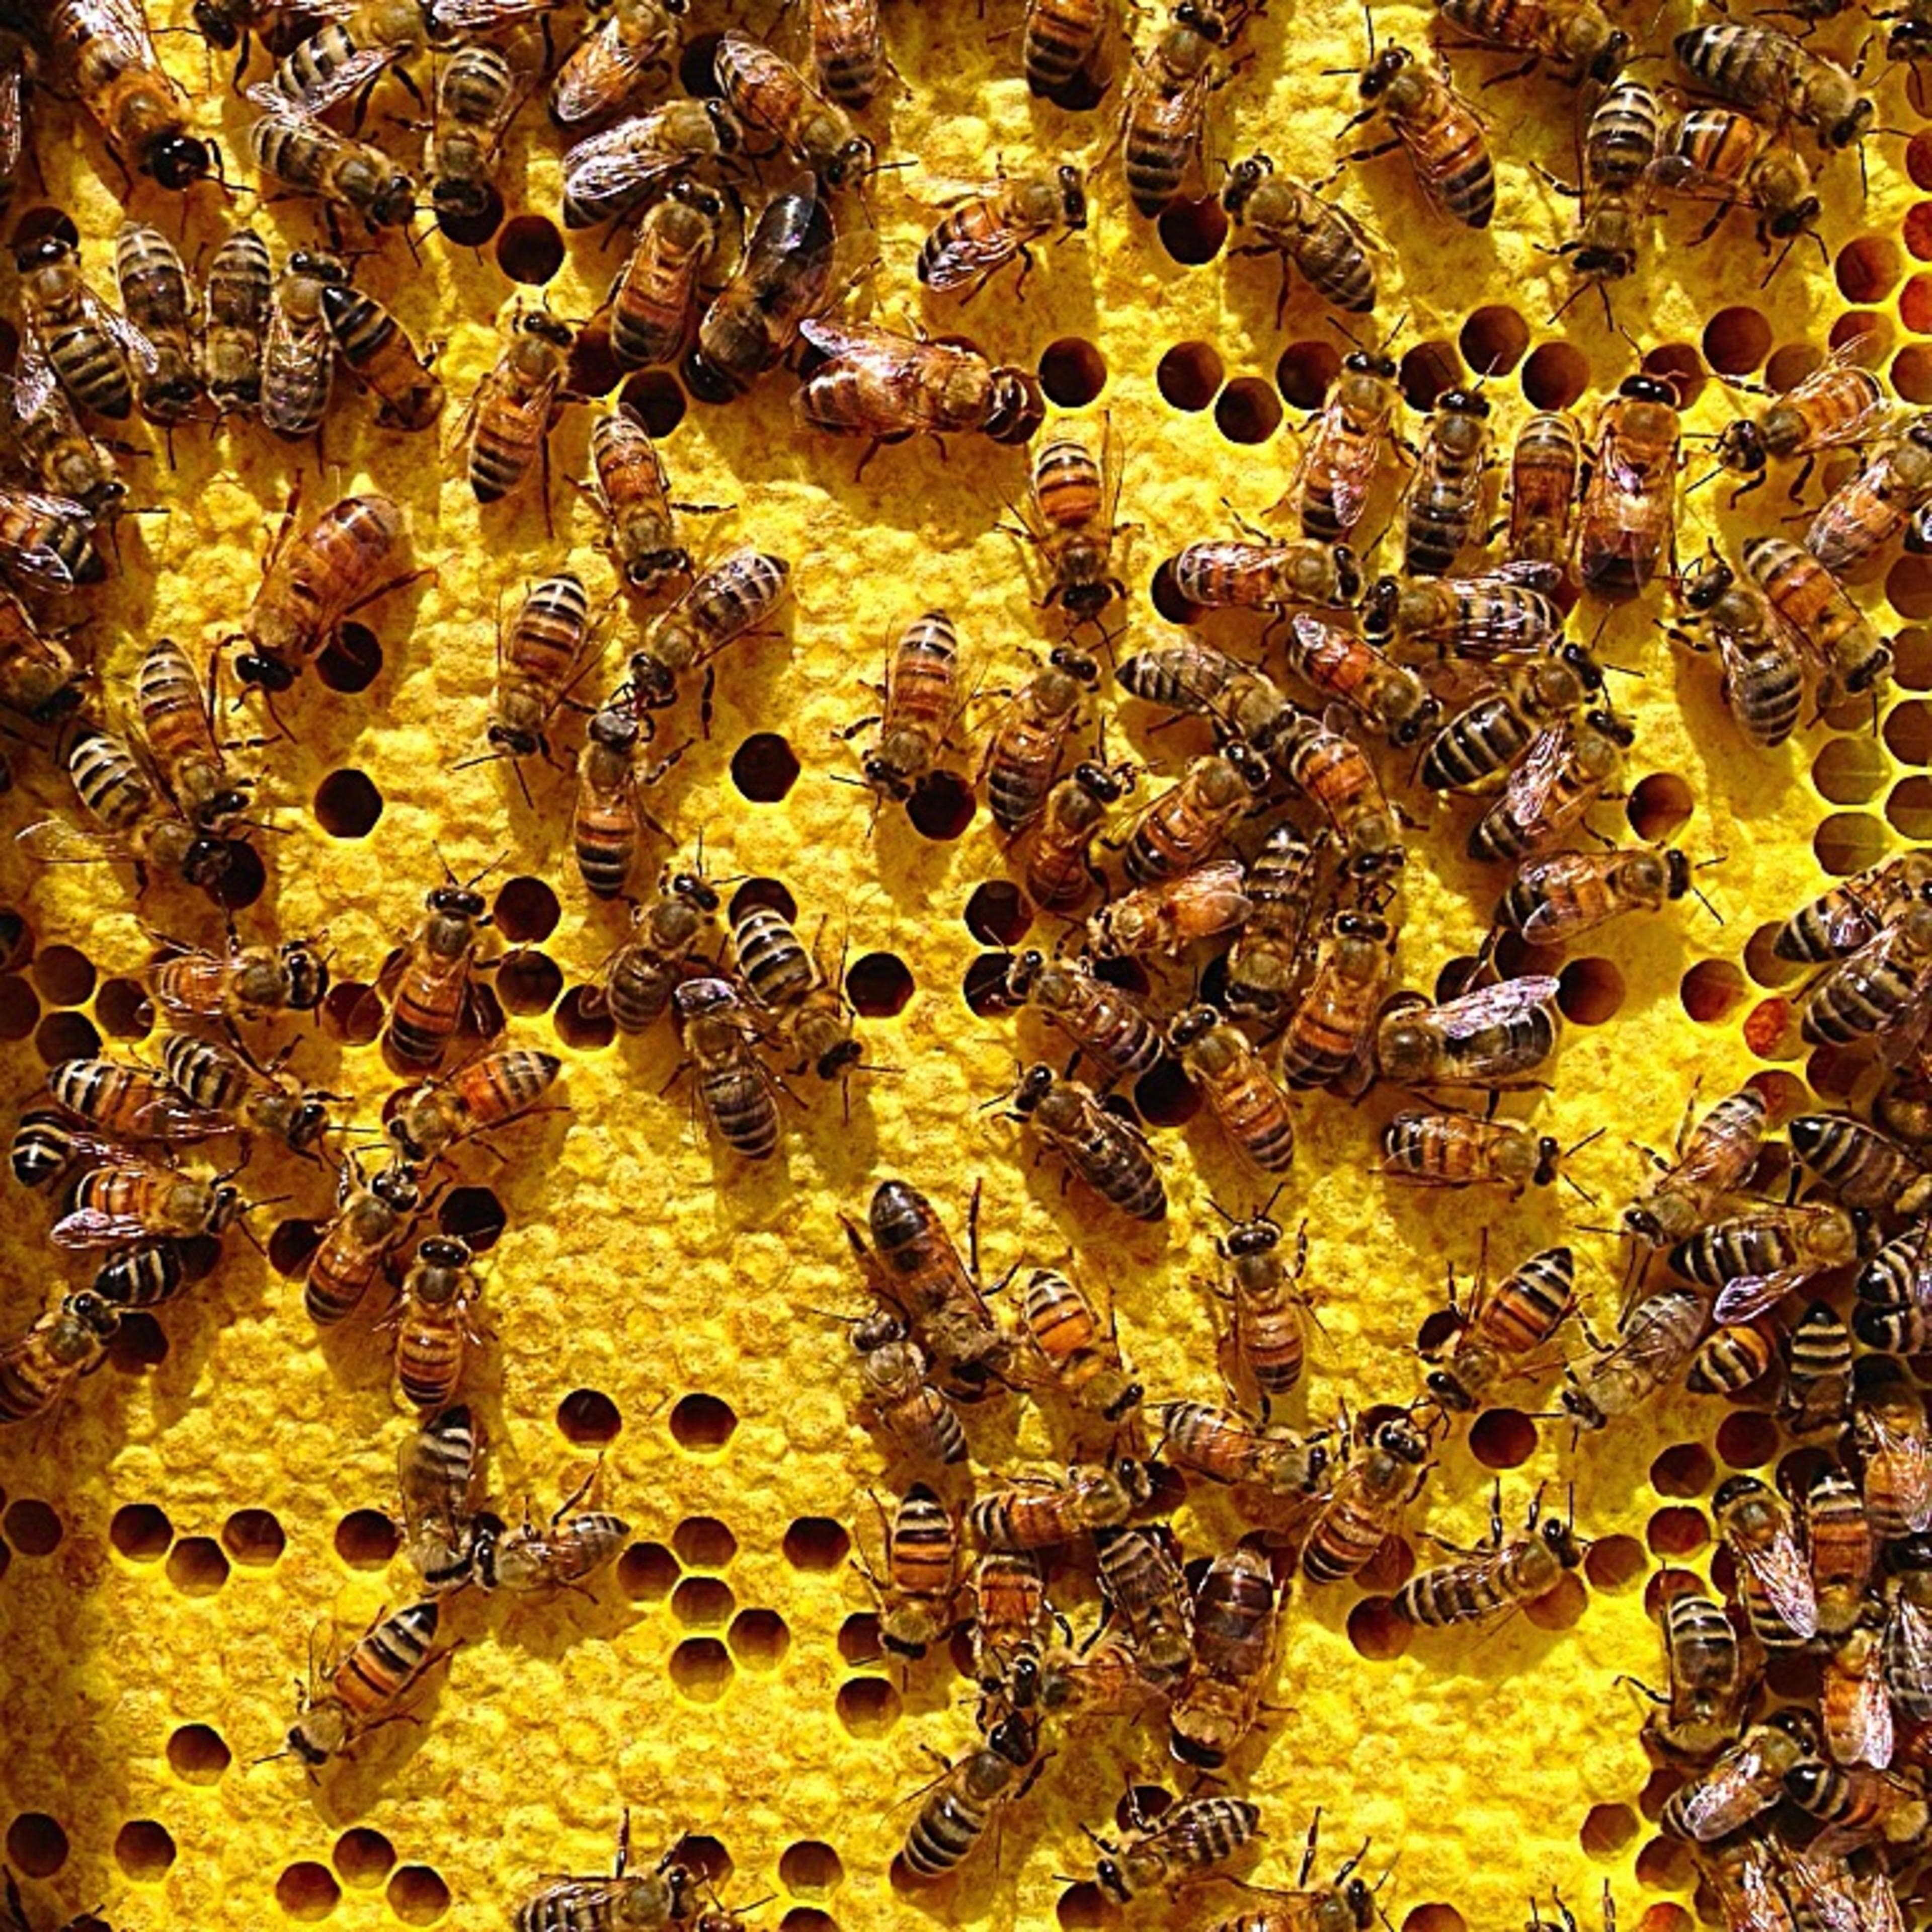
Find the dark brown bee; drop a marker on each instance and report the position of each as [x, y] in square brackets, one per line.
[992, 225]
[1108, 1025]
[1339, 664]
[1079, 1355]
[626, 42]
[1745, 1782]
[375, 350]
[149, 1274]
[1557, 897]
[310, 156]
[1878, 990]
[609, 174]
[1764, 664]
[1012, 1625]
[653, 299]
[1620, 148]
[1862, 1167]
[807, 1000]
[1499, 1577]
[1453, 1150]
[1073, 505]
[628, 482]
[298, 353]
[1627, 524]
[1436, 127]
[103, 56]
[65, 1342]
[160, 303]
[1445, 500]
[234, 319]
[1329, 1028]
[1545, 467]
[134, 1200]
[1504, 1325]
[1572, 40]
[433, 989]
[439, 1476]
[434, 1322]
[1894, 485]
[1182, 828]
[1731, 1358]
[482, 1095]
[48, 1149]
[1894, 1296]
[1252, 1111]
[38, 676]
[178, 727]
[258, 1099]
[971, 1793]
[1702, 1711]
[1717, 154]
[901, 1399]
[1147, 1601]
[370, 1221]
[1907, 1646]
[478, 95]
[1769, 73]
[1197, 679]
[1060, 871]
[1371, 1498]
[1856, 911]
[1101, 1149]
[921, 699]
[1164, 920]
[1659, 1337]
[1189, 1839]
[644, 972]
[1234, 1624]
[781, 279]
[1324, 241]
[1711, 1163]
[731, 600]
[1164, 121]
[1495, 1037]
[715, 1031]
[365, 1689]
[1884, 1805]
[1064, 41]
[848, 50]
[1566, 767]
[509, 417]
[58, 453]
[1222, 1445]
[1839, 403]
[1045, 1511]
[1023, 749]
[1489, 735]
[1811, 604]
[247, 982]
[1894, 1448]
[1264, 962]
[768, 94]
[1509, 612]
[886, 387]
[1755, 1258]
[1330, 487]
[918, 1598]
[1774, 1579]
[89, 346]
[1843, 1550]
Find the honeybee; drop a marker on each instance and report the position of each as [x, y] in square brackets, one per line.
[256, 1098]
[483, 1094]
[1073, 505]
[1907, 1642]
[376, 350]
[632, 39]
[715, 1031]
[1488, 735]
[1242, 702]
[1769, 73]
[1745, 1782]
[1545, 467]
[652, 300]
[1894, 483]
[47, 542]
[130, 1199]
[247, 982]
[781, 278]
[65, 1342]
[1854, 1707]
[456, 20]
[1330, 490]
[1329, 1030]
[38, 676]
[234, 317]
[1372, 1496]
[1567, 767]
[1659, 1338]
[478, 94]
[1162, 920]
[1265, 961]
[608, 175]
[1852, 914]
[1012, 1623]
[1838, 403]
[439, 1476]
[888, 387]
[1436, 127]
[1324, 240]
[1711, 1162]
[558, 1556]
[1444, 498]
[1108, 1025]
[1040, 1511]
[310, 583]
[1818, 1371]
[1764, 664]
[1878, 992]
[1221, 1444]
[1234, 1624]
[1454, 1150]
[657, 1900]
[90, 347]
[364, 1689]
[1104, 1151]
[1753, 1880]
[847, 51]
[1076, 1353]
[643, 972]
[49, 1149]
[1493, 1037]
[146, 1275]
[1268, 576]
[992, 225]
[371, 1219]
[104, 56]
[1060, 871]
[1147, 1601]
[1894, 1449]
[434, 988]
[1268, 1329]
[1704, 1706]
[919, 1594]
[629, 483]
[1775, 1581]
[1179, 831]
[178, 728]
[345, 53]
[1063, 43]
[1252, 1111]
[767, 93]
[57, 453]
[1499, 1577]
[508, 420]
[298, 353]
[921, 699]
[809, 1002]
[434, 1322]
[1755, 1258]
[1718, 153]
[1506, 612]
[1842, 1548]
[1627, 524]
[132, 1103]
[1346, 1906]
[537, 665]
[729, 601]
[1558, 897]
[1022, 754]
[1341, 665]
[1164, 121]
[1620, 150]
[1503, 1324]
[1333, 773]
[1863, 1167]
[1810, 603]
[1860, 1802]
[1573, 40]
[970, 1794]
[1894, 1296]
[309, 156]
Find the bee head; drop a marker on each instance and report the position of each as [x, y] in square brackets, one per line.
[308, 976]
[271, 674]
[177, 160]
[458, 901]
[1245, 178]
[1611, 61]
[1648, 389]
[1741, 447]
[1380, 71]
[546, 327]
[307, 1124]
[1073, 196]
[1196, 1024]
[515, 739]
[1018, 407]
[1706, 580]
[1035, 1084]
[690, 886]
[206, 861]
[214, 25]
[1676, 875]
[1253, 1237]
[1442, 1384]
[1549, 1160]
[1097, 782]
[883, 775]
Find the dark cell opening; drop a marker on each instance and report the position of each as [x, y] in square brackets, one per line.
[472, 231]
[307, 1890]
[1494, 340]
[352, 1013]
[1073, 372]
[16, 940]
[764, 768]
[347, 805]
[292, 1243]
[254, 1536]
[139, 1342]
[984, 989]
[530, 249]
[647, 1571]
[589, 1416]
[66, 1037]
[1686, 1470]
[704, 1542]
[196, 1566]
[594, 370]
[352, 661]
[772, 894]
[1736, 341]
[1193, 232]
[810, 1866]
[1747, 1439]
[879, 986]
[1426, 370]
[140, 1532]
[1682, 366]
[759, 1639]
[36, 1845]
[816, 1543]
[1164, 1097]
[581, 1023]
[417, 1896]
[1711, 990]
[696, 72]
[660, 403]
[701, 1668]
[527, 911]
[123, 1010]
[64, 975]
[474, 1215]
[32, 1528]
[20, 1007]
[868, 1707]
[245, 881]
[1658, 805]
[1188, 375]
[366, 1540]
[528, 981]
[1165, 594]
[197, 1755]
[1247, 411]
[998, 913]
[1589, 991]
[1502, 1438]
[703, 1603]
[1305, 371]
[702, 1422]
[1613, 1562]
[942, 808]
[1555, 375]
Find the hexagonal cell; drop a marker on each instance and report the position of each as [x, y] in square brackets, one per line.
[32, 1527]
[363, 1856]
[704, 1603]
[879, 985]
[197, 1567]
[36, 1845]
[1712, 991]
[816, 1543]
[140, 1532]
[1247, 411]
[1677, 1531]
[366, 1539]
[1849, 770]
[197, 1754]
[1590, 991]
[1494, 340]
[1190, 376]
[417, 1895]
[868, 1707]
[759, 1639]
[1747, 1439]
[1502, 1438]
[1434, 1918]
[64, 975]
[1305, 371]
[1073, 372]
[703, 1423]
[588, 1416]
[1736, 340]
[647, 1571]
[1659, 805]
[810, 1868]
[1376, 1632]
[701, 1668]
[704, 1542]
[144, 1850]
[764, 768]
[1607, 1829]
[307, 1891]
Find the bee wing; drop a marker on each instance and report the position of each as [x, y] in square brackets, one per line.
[609, 167]
[1907, 1646]
[1781, 1567]
[337, 85]
[1748, 1296]
[120, 25]
[1908, 1456]
[54, 841]
[1494, 1006]
[34, 382]
[1527, 790]
[1877, 417]
[1522, 574]
[892, 356]
[90, 1227]
[452, 17]
[133, 344]
[965, 257]
[1734, 1791]
[1827, 1887]
[1859, 1727]
[43, 565]
[601, 72]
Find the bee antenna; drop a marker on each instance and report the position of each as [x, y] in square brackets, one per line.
[272, 1757]
[1707, 905]
[1578, 1188]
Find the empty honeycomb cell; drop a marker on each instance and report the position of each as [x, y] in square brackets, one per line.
[352, 660]
[701, 1668]
[347, 805]
[1736, 340]
[1908, 588]
[1188, 375]
[1561, 1608]
[196, 1566]
[581, 1022]
[1502, 1438]
[529, 249]
[140, 1532]
[984, 987]
[942, 807]
[1848, 771]
[1376, 1632]
[527, 911]
[1915, 304]
[1849, 842]
[1590, 991]
[474, 1215]
[1434, 1917]
[1247, 411]
[144, 1850]
[1427, 369]
[773, 894]
[1832, 1072]
[1908, 731]
[1798, 1470]
[64, 975]
[352, 1013]
[1614, 1561]
[1164, 593]
[1912, 374]
[122, 1009]
[759, 1639]
[868, 1707]
[1798, 1678]
[588, 1416]
[1164, 1097]
[291, 1243]
[1494, 340]
[1085, 1907]
[807, 1918]
[594, 370]
[647, 1571]
[859, 1639]
[1711, 991]
[879, 985]
[702, 1422]
[1682, 366]
[703, 1603]
[473, 229]
[1658, 805]
[1747, 1439]
[66, 1037]
[1304, 372]
[1919, 160]
[1555, 375]
[32, 1528]
[704, 1542]
[36, 1845]
[1677, 1531]
[1911, 658]
[1916, 231]
[998, 913]
[197, 1754]
[816, 1543]
[1908, 810]
[1786, 367]
[764, 768]
[20, 1007]
[1664, 1865]
[1607, 1829]
[810, 1869]
[1073, 372]
[307, 1890]
[1868, 267]
[1659, 1788]
[16, 940]
[1193, 232]
[707, 1858]
[656, 400]
[365, 1539]
[363, 1857]
[528, 981]
[417, 1895]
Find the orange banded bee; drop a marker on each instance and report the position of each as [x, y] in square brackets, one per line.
[240, 287]
[1495, 1037]
[377, 351]
[371, 1220]
[768, 94]
[1190, 1838]
[509, 418]
[1267, 1305]
[1081, 1358]
[178, 725]
[1508, 611]
[1500, 1577]
[1882, 1804]
[653, 298]
[886, 387]
[1252, 1111]
[731, 600]
[1754, 1259]
[1718, 153]
[1264, 963]
[1107, 1025]
[1907, 1653]
[1745, 1782]
[434, 989]
[1894, 1449]
[1711, 1162]
[1181, 830]
[921, 699]
[65, 1342]
[1841, 1547]
[1329, 489]
[1572, 40]
[1659, 1338]
[90, 347]
[1072, 511]
[1324, 241]
[1012, 1624]
[781, 278]
[536, 664]
[557, 1555]
[257, 1098]
[483, 1094]
[1565, 769]
[1894, 486]
[1023, 750]
[1503, 1326]
[918, 1595]
[1059, 871]
[1814, 608]
[1838, 403]
[654, 1901]
[629, 483]
[1733, 1356]
[795, 986]
[1863, 1167]
[1263, 575]
[131, 1103]
[626, 41]
[715, 1031]
[610, 174]
[1164, 121]
[1329, 1029]
[1235, 1610]
[433, 1322]
[364, 1691]
[1557, 897]
[103, 56]
[848, 50]
[1703, 1708]
[1045, 1511]
[1329, 769]
[1620, 148]
[1774, 1579]
[1222, 1445]
[160, 307]
[1545, 466]
[478, 94]
[1878, 992]
[1488, 735]
[1445, 500]
[992, 225]
[1769, 73]
[1111, 1156]
[1063, 44]
[247, 982]
[1627, 524]
[297, 353]
[1817, 1372]
[1438, 130]
[1372, 1496]
[133, 1200]
[1453, 1150]
[47, 542]
[608, 818]
[1338, 664]
[959, 1808]
[310, 156]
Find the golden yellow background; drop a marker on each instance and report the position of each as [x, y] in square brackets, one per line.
[641, 1262]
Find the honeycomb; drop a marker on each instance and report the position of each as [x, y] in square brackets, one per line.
[173, 1538]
